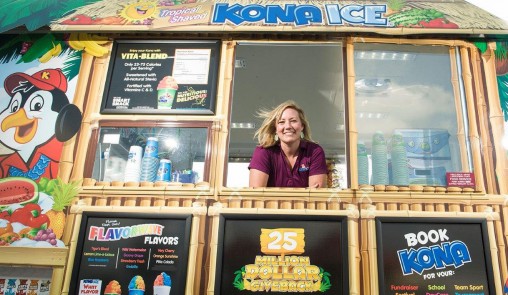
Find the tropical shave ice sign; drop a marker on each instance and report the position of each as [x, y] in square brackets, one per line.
[283, 270]
[299, 15]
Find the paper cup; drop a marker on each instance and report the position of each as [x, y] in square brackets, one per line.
[161, 290]
[165, 97]
[136, 292]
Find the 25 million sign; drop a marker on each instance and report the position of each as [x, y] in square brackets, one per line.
[281, 255]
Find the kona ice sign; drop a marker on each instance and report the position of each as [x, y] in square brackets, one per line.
[299, 15]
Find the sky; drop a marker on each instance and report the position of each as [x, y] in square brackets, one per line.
[498, 8]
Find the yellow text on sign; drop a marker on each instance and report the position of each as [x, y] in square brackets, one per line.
[282, 241]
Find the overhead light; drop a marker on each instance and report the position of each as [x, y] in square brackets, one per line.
[384, 55]
[368, 115]
[372, 85]
[247, 125]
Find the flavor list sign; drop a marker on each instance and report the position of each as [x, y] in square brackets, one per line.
[433, 256]
[282, 254]
[123, 252]
[162, 77]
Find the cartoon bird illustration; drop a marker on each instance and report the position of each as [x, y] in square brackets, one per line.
[38, 119]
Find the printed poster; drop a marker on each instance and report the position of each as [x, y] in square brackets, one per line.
[132, 254]
[275, 254]
[433, 255]
[162, 77]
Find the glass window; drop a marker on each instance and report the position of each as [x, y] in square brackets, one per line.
[267, 74]
[137, 153]
[406, 115]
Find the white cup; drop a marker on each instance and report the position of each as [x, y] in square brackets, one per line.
[161, 290]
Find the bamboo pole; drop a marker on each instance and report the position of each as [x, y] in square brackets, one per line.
[221, 128]
[496, 118]
[482, 111]
[461, 136]
[78, 100]
[474, 138]
[351, 110]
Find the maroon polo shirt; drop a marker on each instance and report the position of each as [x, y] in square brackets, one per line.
[311, 161]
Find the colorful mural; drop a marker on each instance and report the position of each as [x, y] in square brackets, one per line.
[39, 74]
[33, 215]
[121, 15]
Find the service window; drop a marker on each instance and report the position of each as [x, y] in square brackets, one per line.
[267, 74]
[176, 152]
[407, 115]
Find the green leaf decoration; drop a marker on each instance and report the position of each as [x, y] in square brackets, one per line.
[501, 51]
[238, 282]
[72, 63]
[38, 48]
[35, 14]
[502, 82]
[481, 45]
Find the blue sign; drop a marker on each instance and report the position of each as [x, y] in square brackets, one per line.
[299, 15]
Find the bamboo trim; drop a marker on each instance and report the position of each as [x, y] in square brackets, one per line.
[353, 255]
[351, 110]
[481, 106]
[495, 258]
[461, 136]
[79, 101]
[94, 101]
[406, 41]
[474, 138]
[496, 117]
[501, 245]
[56, 281]
[222, 130]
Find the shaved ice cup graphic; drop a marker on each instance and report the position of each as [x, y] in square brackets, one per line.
[165, 98]
[161, 290]
[136, 292]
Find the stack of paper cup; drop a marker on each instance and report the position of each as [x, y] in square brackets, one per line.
[379, 159]
[400, 171]
[150, 162]
[133, 166]
[363, 163]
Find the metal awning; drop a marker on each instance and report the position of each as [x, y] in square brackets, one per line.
[388, 17]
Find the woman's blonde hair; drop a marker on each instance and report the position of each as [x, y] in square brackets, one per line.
[266, 133]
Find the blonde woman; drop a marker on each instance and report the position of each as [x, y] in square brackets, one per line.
[286, 155]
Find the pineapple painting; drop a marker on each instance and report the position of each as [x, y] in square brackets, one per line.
[62, 194]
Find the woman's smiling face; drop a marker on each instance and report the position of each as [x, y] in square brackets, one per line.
[289, 126]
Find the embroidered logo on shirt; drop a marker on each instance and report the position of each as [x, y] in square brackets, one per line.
[303, 168]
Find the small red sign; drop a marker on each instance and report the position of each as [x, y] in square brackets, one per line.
[460, 179]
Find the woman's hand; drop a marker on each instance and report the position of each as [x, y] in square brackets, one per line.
[318, 181]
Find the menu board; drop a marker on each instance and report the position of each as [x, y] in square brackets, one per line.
[282, 254]
[121, 253]
[175, 77]
[433, 256]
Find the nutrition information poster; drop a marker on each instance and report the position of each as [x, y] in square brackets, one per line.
[168, 77]
[131, 253]
[282, 254]
[433, 256]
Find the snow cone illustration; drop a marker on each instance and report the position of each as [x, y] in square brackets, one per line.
[137, 286]
[162, 284]
[113, 288]
[166, 92]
